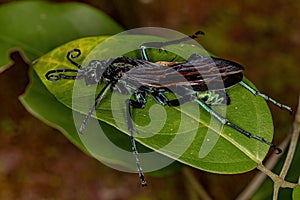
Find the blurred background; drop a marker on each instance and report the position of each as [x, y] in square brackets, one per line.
[264, 36]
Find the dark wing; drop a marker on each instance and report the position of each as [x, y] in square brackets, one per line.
[145, 73]
[200, 73]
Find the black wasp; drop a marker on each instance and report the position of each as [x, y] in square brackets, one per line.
[142, 77]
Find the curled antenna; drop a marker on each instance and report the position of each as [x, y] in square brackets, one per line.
[57, 74]
[71, 56]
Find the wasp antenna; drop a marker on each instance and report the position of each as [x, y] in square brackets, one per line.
[71, 56]
[50, 76]
[57, 74]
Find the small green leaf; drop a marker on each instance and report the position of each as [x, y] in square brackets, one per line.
[230, 153]
[296, 193]
[36, 27]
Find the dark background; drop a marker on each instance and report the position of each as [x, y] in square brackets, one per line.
[40, 163]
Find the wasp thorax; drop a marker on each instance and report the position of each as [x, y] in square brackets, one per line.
[93, 73]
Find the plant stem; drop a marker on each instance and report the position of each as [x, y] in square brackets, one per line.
[293, 143]
[256, 182]
[290, 154]
[278, 180]
[275, 177]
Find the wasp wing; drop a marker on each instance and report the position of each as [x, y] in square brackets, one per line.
[199, 72]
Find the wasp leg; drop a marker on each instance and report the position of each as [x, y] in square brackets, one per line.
[160, 45]
[267, 98]
[97, 101]
[135, 104]
[176, 102]
[226, 122]
[214, 97]
[159, 97]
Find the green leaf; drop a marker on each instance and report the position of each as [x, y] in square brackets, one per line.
[296, 193]
[36, 27]
[232, 153]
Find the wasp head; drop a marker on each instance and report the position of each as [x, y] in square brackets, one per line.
[94, 72]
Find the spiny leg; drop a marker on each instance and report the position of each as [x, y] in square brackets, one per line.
[226, 122]
[134, 104]
[160, 45]
[97, 101]
[267, 98]
[160, 98]
[214, 97]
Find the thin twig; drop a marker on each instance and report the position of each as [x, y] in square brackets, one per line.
[272, 161]
[256, 182]
[293, 144]
[290, 154]
[275, 178]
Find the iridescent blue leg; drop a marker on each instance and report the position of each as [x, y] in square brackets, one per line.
[267, 98]
[97, 101]
[139, 103]
[214, 97]
[226, 122]
[221, 119]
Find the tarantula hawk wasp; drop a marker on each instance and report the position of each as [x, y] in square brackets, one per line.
[156, 79]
